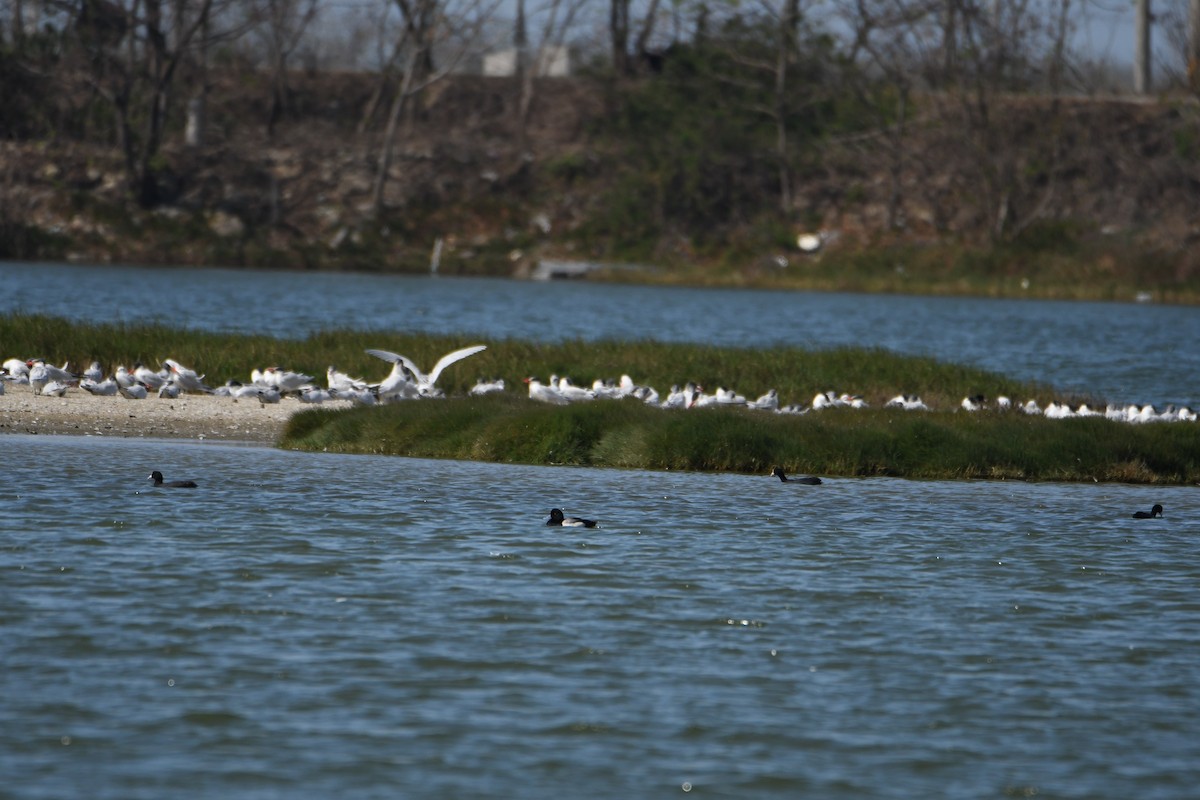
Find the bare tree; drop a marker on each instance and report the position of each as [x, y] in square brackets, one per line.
[1000, 42]
[649, 21]
[425, 26]
[618, 31]
[1178, 62]
[17, 26]
[900, 41]
[787, 20]
[1193, 50]
[557, 18]
[281, 25]
[967, 62]
[130, 53]
[391, 50]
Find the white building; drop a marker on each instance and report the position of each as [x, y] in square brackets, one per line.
[552, 61]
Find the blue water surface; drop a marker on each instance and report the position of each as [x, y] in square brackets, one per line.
[317, 625]
[1114, 352]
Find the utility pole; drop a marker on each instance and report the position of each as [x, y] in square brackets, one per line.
[1141, 54]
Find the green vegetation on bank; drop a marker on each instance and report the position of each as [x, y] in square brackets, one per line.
[943, 443]
[844, 442]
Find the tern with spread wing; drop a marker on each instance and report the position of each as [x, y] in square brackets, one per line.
[404, 371]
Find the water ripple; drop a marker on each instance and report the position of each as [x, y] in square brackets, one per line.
[288, 629]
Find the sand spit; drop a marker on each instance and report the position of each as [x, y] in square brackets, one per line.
[186, 417]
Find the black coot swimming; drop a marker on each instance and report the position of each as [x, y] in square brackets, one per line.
[157, 477]
[808, 480]
[1155, 511]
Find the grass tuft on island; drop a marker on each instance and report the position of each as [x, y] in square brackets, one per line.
[841, 442]
[944, 443]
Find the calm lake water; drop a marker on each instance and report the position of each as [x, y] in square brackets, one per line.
[1118, 352]
[347, 626]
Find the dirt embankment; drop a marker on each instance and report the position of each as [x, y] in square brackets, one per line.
[303, 196]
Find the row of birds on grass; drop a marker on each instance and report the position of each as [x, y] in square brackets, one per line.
[407, 381]
[561, 391]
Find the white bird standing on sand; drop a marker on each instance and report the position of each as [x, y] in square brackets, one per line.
[341, 382]
[135, 391]
[153, 380]
[187, 379]
[360, 397]
[18, 370]
[314, 394]
[38, 378]
[169, 390]
[104, 388]
[285, 380]
[425, 384]
[41, 373]
[94, 372]
[54, 389]
[268, 396]
[400, 384]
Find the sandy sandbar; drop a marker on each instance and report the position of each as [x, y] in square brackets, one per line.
[187, 417]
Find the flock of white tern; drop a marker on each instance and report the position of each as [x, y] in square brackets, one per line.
[406, 381]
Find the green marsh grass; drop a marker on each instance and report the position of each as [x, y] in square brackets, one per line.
[944, 443]
[848, 442]
[797, 374]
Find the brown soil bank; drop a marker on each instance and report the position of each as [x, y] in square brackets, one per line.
[1073, 193]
